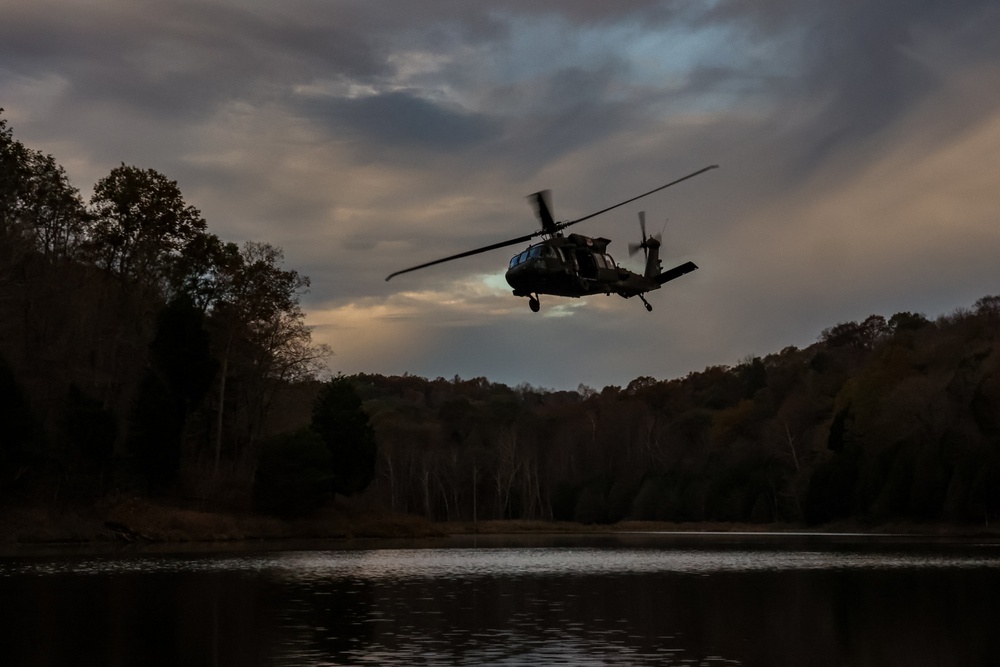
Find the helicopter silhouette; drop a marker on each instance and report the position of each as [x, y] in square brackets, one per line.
[575, 265]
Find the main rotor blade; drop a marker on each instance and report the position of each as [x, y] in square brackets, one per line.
[543, 208]
[467, 253]
[563, 225]
[549, 226]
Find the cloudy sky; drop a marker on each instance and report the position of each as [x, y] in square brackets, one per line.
[859, 145]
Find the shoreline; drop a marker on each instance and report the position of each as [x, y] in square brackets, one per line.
[161, 524]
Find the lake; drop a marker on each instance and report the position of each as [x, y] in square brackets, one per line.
[622, 599]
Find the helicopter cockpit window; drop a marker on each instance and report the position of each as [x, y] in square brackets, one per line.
[599, 259]
[513, 261]
[522, 257]
[535, 251]
[610, 262]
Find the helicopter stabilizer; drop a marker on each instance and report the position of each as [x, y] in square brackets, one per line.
[676, 272]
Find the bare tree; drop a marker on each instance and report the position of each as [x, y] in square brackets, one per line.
[261, 335]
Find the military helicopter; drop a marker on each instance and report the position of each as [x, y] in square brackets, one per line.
[575, 265]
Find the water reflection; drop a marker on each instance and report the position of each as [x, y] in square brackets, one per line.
[627, 601]
[582, 561]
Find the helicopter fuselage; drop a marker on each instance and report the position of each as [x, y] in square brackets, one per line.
[573, 266]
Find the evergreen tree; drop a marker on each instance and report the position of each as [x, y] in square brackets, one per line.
[177, 379]
[17, 426]
[340, 420]
[88, 427]
[293, 478]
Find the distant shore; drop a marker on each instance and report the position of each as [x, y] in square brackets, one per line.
[141, 521]
[146, 521]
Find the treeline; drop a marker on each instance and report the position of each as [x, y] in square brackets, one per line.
[885, 419]
[138, 351]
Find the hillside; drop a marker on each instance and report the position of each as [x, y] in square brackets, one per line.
[880, 420]
[142, 356]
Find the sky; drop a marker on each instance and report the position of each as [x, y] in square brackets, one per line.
[858, 144]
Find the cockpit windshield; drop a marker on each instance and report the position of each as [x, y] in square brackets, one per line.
[540, 251]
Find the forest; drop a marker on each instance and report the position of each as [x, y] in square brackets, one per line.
[887, 419]
[141, 354]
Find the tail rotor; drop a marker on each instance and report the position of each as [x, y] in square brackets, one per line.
[647, 241]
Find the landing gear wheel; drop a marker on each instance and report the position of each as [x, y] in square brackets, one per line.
[649, 308]
[534, 304]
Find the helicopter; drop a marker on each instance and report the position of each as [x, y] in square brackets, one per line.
[575, 265]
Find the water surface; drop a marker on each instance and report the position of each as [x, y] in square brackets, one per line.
[608, 600]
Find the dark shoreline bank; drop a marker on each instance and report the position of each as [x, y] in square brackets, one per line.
[170, 527]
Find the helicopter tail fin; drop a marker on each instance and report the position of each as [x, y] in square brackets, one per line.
[676, 272]
[651, 246]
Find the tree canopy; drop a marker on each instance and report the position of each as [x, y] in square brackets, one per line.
[142, 348]
[141, 224]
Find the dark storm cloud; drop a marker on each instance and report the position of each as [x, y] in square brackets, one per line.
[365, 137]
[179, 59]
[860, 59]
[569, 107]
[402, 119]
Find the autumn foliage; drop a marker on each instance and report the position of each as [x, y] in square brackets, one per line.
[140, 353]
[879, 420]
